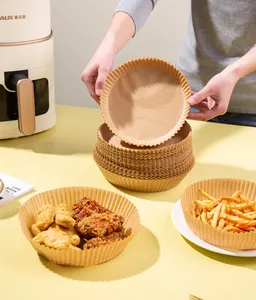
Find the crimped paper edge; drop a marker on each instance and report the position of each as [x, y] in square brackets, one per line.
[165, 150]
[142, 185]
[146, 162]
[84, 257]
[146, 174]
[227, 240]
[123, 68]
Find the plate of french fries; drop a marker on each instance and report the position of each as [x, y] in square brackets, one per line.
[219, 215]
[180, 224]
[233, 214]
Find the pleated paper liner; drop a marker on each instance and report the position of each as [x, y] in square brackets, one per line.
[70, 195]
[144, 102]
[172, 147]
[165, 162]
[217, 188]
[177, 138]
[147, 173]
[157, 172]
[142, 185]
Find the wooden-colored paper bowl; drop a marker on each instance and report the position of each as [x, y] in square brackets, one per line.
[144, 102]
[69, 196]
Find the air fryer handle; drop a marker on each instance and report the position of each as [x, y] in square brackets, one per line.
[26, 106]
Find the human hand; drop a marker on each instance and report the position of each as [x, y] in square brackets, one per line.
[96, 72]
[214, 98]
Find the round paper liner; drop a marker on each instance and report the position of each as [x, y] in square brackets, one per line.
[154, 172]
[157, 172]
[165, 150]
[166, 162]
[217, 188]
[141, 185]
[105, 134]
[69, 196]
[113, 78]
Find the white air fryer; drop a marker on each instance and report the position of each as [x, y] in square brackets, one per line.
[27, 102]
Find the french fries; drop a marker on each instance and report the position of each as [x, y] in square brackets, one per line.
[234, 213]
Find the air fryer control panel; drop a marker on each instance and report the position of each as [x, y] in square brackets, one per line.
[8, 95]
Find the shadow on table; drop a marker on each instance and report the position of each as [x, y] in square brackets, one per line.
[200, 172]
[141, 254]
[210, 134]
[246, 262]
[9, 210]
[70, 136]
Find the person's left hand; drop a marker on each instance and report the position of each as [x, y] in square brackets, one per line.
[213, 99]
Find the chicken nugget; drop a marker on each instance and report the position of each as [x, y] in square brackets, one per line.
[74, 237]
[63, 217]
[45, 217]
[53, 238]
[35, 230]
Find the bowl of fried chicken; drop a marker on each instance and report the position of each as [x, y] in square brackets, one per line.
[79, 226]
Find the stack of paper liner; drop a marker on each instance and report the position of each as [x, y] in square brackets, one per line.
[153, 160]
[69, 196]
[217, 188]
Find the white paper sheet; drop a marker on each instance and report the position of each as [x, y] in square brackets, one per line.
[14, 188]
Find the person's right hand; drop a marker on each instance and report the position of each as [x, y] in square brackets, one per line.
[121, 30]
[96, 72]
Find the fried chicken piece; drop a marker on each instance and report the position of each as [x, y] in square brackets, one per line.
[75, 240]
[63, 217]
[53, 238]
[99, 224]
[85, 207]
[35, 230]
[75, 248]
[58, 238]
[74, 237]
[103, 240]
[45, 217]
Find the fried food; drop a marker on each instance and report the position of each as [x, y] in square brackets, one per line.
[103, 240]
[85, 207]
[57, 238]
[35, 230]
[233, 214]
[45, 217]
[63, 217]
[95, 220]
[100, 224]
[54, 227]
[59, 229]
[75, 248]
[74, 237]
[53, 238]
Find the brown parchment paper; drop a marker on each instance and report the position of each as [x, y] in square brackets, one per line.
[143, 185]
[144, 102]
[217, 188]
[175, 147]
[70, 195]
[158, 169]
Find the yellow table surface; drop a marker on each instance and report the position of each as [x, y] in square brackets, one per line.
[158, 263]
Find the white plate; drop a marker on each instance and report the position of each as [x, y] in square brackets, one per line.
[181, 225]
